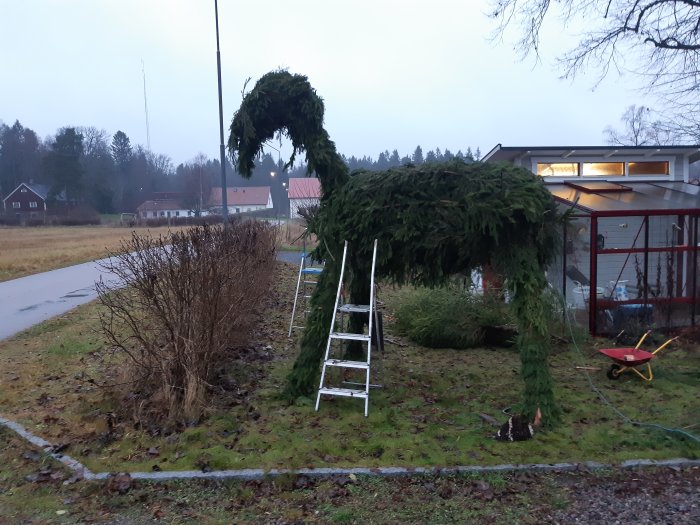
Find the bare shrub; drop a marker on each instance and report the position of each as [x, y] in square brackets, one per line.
[190, 300]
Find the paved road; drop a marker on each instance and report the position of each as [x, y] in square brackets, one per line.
[30, 300]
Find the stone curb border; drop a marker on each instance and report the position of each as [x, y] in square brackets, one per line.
[253, 474]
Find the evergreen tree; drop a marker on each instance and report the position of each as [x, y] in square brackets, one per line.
[418, 156]
[20, 156]
[122, 155]
[63, 165]
[382, 161]
[394, 159]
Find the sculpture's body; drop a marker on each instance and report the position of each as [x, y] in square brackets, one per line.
[432, 221]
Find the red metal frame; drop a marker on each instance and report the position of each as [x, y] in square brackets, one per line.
[693, 215]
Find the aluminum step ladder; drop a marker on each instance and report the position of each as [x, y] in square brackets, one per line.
[307, 279]
[335, 335]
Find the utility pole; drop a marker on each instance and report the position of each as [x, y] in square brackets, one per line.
[224, 196]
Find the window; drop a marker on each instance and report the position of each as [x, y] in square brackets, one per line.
[648, 168]
[557, 169]
[598, 169]
[16, 205]
[33, 204]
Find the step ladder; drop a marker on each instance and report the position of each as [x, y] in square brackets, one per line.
[337, 335]
[306, 281]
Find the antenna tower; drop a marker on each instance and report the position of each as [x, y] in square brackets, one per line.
[145, 107]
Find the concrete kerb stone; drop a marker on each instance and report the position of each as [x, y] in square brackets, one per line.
[48, 448]
[253, 474]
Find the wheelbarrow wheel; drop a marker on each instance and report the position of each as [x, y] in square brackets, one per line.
[613, 372]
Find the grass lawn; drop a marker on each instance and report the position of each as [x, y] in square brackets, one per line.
[427, 415]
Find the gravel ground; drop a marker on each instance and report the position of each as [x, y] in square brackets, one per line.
[666, 496]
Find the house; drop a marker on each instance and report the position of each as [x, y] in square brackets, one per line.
[241, 199]
[162, 208]
[28, 201]
[304, 192]
[629, 254]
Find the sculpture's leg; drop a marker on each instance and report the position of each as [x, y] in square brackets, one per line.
[359, 294]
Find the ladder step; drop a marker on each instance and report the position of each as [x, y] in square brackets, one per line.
[347, 364]
[351, 337]
[345, 392]
[354, 308]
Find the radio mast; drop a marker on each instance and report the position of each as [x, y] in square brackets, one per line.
[145, 107]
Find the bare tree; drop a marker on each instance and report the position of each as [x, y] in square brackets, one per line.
[659, 40]
[639, 129]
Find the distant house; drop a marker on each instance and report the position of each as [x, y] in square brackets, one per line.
[28, 201]
[304, 192]
[165, 208]
[241, 200]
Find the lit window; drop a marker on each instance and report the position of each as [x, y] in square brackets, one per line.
[33, 204]
[16, 205]
[598, 169]
[557, 169]
[648, 168]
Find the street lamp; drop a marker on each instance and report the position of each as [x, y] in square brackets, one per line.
[224, 197]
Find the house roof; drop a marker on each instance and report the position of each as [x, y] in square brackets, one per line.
[513, 153]
[628, 198]
[239, 196]
[304, 188]
[160, 205]
[42, 190]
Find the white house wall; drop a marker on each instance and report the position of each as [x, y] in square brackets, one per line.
[296, 204]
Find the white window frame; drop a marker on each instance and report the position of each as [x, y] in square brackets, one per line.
[534, 161]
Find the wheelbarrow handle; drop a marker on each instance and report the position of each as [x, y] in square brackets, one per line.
[665, 345]
[642, 339]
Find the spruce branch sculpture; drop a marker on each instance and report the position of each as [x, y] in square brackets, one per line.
[432, 221]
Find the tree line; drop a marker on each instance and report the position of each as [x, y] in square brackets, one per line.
[88, 166]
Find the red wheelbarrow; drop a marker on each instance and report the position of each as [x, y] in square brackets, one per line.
[630, 358]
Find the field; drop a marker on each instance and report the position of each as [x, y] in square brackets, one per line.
[26, 251]
[427, 415]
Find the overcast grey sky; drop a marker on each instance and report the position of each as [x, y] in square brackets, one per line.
[393, 74]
